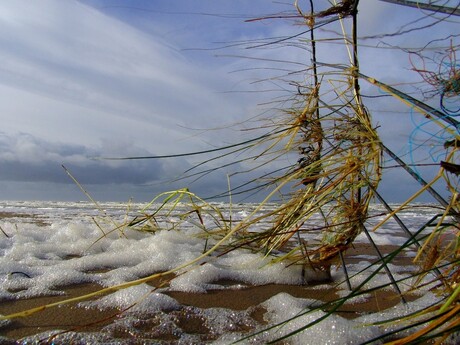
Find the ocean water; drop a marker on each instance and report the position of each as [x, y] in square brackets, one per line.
[46, 246]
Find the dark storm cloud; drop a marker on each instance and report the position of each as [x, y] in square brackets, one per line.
[92, 173]
[26, 158]
[29, 162]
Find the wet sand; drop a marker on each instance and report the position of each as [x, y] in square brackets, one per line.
[74, 318]
[235, 296]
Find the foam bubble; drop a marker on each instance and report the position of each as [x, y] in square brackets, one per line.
[4, 323]
[239, 265]
[331, 330]
[74, 250]
[140, 299]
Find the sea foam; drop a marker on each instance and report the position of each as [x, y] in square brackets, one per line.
[67, 247]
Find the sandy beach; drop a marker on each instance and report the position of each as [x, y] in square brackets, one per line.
[236, 296]
[74, 318]
[61, 255]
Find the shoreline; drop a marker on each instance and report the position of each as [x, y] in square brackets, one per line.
[71, 317]
[191, 316]
[235, 296]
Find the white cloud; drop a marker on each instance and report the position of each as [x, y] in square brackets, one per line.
[72, 66]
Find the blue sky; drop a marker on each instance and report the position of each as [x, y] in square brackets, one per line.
[106, 78]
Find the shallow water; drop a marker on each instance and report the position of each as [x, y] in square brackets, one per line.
[45, 247]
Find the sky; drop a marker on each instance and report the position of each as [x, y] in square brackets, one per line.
[83, 80]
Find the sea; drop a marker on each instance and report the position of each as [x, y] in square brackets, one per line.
[46, 246]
